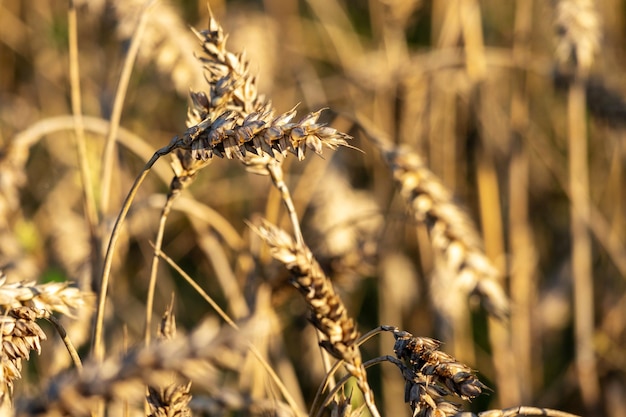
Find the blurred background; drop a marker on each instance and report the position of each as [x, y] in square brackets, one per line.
[518, 107]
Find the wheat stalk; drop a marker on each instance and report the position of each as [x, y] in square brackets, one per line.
[329, 314]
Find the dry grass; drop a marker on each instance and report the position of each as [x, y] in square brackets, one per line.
[465, 184]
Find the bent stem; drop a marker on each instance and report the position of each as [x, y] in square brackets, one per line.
[118, 104]
[167, 207]
[97, 347]
[66, 340]
[253, 349]
[371, 407]
[328, 378]
[276, 173]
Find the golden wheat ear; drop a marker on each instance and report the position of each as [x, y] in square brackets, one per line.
[328, 312]
[453, 235]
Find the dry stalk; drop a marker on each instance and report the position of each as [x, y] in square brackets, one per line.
[578, 28]
[520, 411]
[89, 201]
[166, 41]
[234, 326]
[329, 314]
[118, 105]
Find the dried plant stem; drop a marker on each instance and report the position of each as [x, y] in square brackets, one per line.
[118, 104]
[581, 245]
[499, 335]
[79, 127]
[276, 173]
[167, 207]
[598, 224]
[525, 411]
[66, 340]
[257, 354]
[327, 378]
[523, 255]
[476, 64]
[98, 348]
[215, 252]
[344, 379]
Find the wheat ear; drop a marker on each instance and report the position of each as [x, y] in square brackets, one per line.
[578, 31]
[431, 375]
[22, 303]
[452, 233]
[329, 314]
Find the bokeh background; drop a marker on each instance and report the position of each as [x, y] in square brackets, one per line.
[496, 96]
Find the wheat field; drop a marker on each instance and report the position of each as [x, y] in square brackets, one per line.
[313, 208]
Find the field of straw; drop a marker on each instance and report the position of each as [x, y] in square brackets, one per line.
[313, 208]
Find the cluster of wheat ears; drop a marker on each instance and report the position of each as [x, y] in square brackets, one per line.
[245, 349]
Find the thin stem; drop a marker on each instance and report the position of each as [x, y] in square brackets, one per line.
[283, 389]
[89, 200]
[526, 411]
[118, 104]
[220, 312]
[276, 173]
[167, 207]
[523, 263]
[336, 365]
[373, 411]
[98, 348]
[66, 340]
[581, 244]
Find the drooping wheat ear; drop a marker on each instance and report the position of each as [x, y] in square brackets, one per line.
[51, 297]
[431, 375]
[578, 32]
[329, 314]
[20, 335]
[22, 304]
[260, 133]
[452, 233]
[195, 357]
[172, 400]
